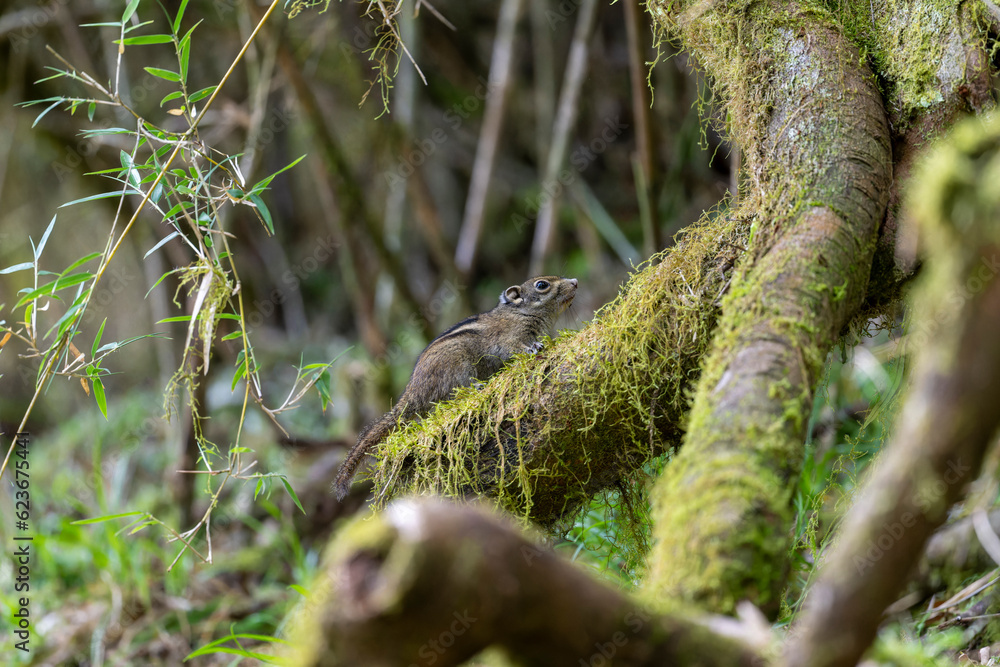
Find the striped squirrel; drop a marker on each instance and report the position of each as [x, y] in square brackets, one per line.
[472, 350]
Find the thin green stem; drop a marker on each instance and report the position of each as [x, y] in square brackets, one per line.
[109, 255]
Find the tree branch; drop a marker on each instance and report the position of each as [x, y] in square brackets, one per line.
[816, 144]
[553, 429]
[431, 582]
[949, 418]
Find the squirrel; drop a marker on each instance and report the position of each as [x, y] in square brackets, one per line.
[470, 351]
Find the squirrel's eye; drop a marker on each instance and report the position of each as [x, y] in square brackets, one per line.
[542, 285]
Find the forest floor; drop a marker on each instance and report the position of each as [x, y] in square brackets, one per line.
[108, 588]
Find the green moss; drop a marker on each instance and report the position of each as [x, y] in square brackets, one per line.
[374, 537]
[901, 41]
[715, 495]
[606, 398]
[796, 99]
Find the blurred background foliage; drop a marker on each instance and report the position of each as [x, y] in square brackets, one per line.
[361, 267]
[409, 169]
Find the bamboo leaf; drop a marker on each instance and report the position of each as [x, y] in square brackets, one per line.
[128, 164]
[47, 109]
[17, 267]
[103, 195]
[266, 214]
[241, 370]
[129, 10]
[145, 39]
[157, 191]
[172, 96]
[142, 525]
[187, 35]
[180, 14]
[83, 260]
[45, 238]
[173, 77]
[128, 341]
[107, 130]
[102, 519]
[43, 100]
[160, 280]
[263, 183]
[60, 283]
[184, 57]
[176, 208]
[199, 95]
[323, 388]
[141, 24]
[263, 657]
[291, 492]
[97, 339]
[102, 401]
[59, 73]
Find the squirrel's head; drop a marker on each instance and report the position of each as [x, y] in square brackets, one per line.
[550, 294]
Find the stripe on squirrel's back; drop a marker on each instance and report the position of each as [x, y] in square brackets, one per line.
[459, 329]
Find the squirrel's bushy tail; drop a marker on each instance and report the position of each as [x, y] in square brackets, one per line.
[372, 434]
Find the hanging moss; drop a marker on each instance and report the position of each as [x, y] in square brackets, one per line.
[549, 431]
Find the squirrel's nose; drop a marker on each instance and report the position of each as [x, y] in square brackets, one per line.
[574, 281]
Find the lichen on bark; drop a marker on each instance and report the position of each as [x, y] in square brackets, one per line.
[816, 141]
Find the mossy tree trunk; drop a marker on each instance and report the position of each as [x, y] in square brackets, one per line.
[553, 429]
[435, 583]
[742, 312]
[816, 142]
[817, 135]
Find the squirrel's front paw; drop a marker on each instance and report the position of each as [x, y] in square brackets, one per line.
[535, 347]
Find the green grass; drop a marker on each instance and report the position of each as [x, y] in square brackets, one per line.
[104, 588]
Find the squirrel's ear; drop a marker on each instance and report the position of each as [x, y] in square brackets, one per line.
[511, 295]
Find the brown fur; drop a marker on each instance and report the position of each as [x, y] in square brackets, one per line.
[472, 350]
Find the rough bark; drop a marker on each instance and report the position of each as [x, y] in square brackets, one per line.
[427, 582]
[949, 418]
[816, 142]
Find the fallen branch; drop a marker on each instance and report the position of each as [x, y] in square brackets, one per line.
[430, 582]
